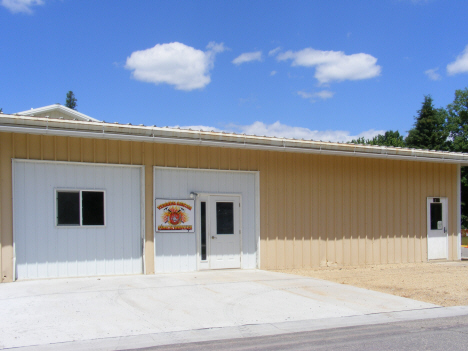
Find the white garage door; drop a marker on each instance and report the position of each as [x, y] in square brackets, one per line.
[76, 220]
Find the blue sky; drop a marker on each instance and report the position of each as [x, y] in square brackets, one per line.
[324, 70]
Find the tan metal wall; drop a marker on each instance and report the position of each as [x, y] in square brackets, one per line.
[315, 210]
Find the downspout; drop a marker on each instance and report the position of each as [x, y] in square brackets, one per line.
[458, 212]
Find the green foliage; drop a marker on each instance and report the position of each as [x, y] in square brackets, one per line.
[458, 129]
[390, 138]
[1, 110]
[429, 131]
[70, 102]
[458, 121]
[360, 140]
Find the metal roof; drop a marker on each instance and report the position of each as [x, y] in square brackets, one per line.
[103, 130]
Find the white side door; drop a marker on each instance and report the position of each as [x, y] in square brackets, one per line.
[224, 234]
[437, 230]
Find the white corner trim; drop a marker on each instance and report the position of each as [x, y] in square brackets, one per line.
[458, 209]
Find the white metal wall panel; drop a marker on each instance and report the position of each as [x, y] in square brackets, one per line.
[177, 252]
[44, 250]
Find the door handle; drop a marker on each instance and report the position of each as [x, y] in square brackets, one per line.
[445, 230]
[213, 237]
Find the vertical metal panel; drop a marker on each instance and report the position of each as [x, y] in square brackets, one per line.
[418, 203]
[307, 210]
[346, 212]
[177, 252]
[322, 214]
[369, 207]
[375, 179]
[269, 193]
[452, 203]
[290, 221]
[282, 230]
[404, 211]
[361, 211]
[44, 250]
[148, 208]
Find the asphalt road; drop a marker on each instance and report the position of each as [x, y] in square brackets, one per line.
[428, 334]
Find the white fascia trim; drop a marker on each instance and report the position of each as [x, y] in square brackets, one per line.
[458, 211]
[91, 164]
[205, 169]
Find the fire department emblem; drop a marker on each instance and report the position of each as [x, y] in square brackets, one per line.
[175, 218]
[174, 215]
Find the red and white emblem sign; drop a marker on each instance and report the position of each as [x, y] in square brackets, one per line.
[174, 216]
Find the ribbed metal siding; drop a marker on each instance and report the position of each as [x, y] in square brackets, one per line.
[44, 250]
[349, 210]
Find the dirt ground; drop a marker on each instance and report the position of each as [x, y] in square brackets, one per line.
[441, 283]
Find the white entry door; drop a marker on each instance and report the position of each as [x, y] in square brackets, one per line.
[437, 230]
[224, 234]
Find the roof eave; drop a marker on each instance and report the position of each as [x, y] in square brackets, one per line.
[37, 125]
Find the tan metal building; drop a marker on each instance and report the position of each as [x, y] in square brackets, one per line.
[258, 202]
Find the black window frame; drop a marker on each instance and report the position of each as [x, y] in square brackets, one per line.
[80, 207]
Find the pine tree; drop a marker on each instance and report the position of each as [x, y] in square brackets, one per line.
[70, 102]
[429, 130]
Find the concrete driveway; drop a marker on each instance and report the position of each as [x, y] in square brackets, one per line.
[115, 312]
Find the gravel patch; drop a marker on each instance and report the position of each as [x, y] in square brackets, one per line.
[440, 283]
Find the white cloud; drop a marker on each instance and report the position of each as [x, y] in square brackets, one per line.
[305, 95]
[272, 73]
[251, 100]
[247, 57]
[460, 65]
[175, 64]
[323, 94]
[280, 130]
[215, 48]
[432, 74]
[334, 65]
[16, 6]
[274, 51]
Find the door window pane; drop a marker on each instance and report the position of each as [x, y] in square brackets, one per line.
[92, 205]
[225, 218]
[68, 208]
[436, 215]
[203, 230]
